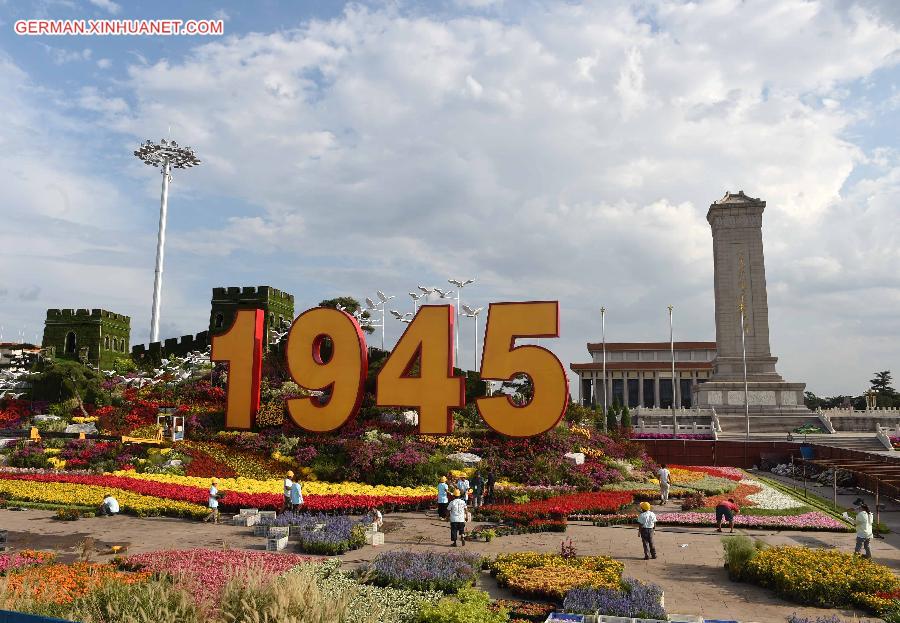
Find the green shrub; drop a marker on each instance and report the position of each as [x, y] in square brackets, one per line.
[739, 550]
[468, 606]
[68, 514]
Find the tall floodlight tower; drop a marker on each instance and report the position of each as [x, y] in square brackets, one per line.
[165, 155]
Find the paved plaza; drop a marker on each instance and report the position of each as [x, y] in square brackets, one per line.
[689, 568]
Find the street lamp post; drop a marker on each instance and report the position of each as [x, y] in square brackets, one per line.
[460, 284]
[166, 155]
[415, 297]
[383, 299]
[672, 350]
[603, 334]
[473, 313]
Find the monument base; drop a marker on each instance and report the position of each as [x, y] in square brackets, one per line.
[764, 397]
[759, 370]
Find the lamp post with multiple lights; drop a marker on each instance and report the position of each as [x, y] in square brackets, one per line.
[165, 155]
[603, 334]
[473, 313]
[460, 284]
[672, 350]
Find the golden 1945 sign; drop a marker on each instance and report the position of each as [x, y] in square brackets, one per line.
[430, 387]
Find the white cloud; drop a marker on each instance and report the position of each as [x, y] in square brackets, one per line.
[563, 152]
[104, 63]
[62, 56]
[107, 5]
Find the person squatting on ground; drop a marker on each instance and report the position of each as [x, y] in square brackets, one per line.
[726, 511]
[442, 499]
[458, 512]
[864, 521]
[214, 496]
[663, 483]
[646, 525]
[109, 506]
[288, 483]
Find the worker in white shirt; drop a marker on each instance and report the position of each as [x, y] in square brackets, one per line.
[214, 496]
[458, 512]
[288, 484]
[864, 521]
[110, 506]
[663, 474]
[646, 524]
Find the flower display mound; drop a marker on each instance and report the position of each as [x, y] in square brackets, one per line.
[25, 558]
[329, 535]
[632, 599]
[447, 572]
[812, 520]
[557, 508]
[551, 576]
[144, 496]
[88, 490]
[61, 583]
[752, 494]
[817, 577]
[274, 485]
[205, 572]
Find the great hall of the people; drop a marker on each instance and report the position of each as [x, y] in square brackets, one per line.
[640, 373]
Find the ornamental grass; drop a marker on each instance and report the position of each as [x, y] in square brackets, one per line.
[550, 575]
[824, 578]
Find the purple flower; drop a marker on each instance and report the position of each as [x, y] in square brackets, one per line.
[635, 599]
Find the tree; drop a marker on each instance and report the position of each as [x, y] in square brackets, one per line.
[350, 305]
[626, 418]
[62, 379]
[882, 383]
[612, 421]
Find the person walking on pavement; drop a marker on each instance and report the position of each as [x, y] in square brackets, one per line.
[288, 483]
[663, 474]
[214, 496]
[296, 498]
[646, 525]
[863, 521]
[442, 498]
[458, 515]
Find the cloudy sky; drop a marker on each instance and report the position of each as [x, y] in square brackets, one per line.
[551, 150]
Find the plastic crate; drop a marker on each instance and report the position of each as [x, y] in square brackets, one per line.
[374, 538]
[276, 532]
[276, 545]
[248, 511]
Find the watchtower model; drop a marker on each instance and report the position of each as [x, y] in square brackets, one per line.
[93, 336]
[278, 306]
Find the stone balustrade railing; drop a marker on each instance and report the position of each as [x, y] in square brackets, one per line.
[839, 411]
[683, 429]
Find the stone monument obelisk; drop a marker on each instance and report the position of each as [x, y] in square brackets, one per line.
[740, 278]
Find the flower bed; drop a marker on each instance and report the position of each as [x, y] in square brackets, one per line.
[59, 489]
[807, 521]
[632, 599]
[329, 535]
[59, 583]
[550, 575]
[756, 494]
[824, 578]
[25, 558]
[205, 572]
[145, 496]
[447, 572]
[558, 507]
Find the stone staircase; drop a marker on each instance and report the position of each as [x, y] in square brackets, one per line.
[866, 442]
